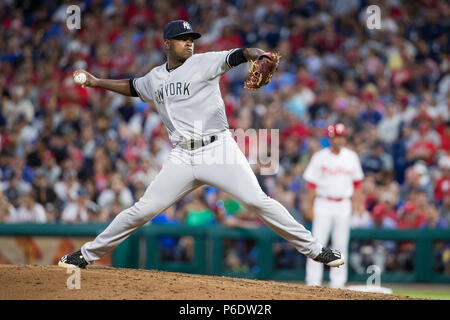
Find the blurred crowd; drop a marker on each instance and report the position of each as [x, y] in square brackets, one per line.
[73, 154]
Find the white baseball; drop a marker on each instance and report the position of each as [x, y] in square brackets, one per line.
[80, 78]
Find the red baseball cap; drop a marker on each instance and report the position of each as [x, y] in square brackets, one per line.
[409, 207]
[379, 211]
[337, 129]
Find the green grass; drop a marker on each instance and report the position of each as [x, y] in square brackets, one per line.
[423, 294]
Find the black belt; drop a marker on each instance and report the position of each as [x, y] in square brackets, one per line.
[195, 144]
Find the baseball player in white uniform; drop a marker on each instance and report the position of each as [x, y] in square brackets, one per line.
[333, 177]
[186, 93]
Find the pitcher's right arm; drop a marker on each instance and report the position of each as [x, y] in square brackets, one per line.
[121, 86]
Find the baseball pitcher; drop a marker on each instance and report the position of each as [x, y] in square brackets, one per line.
[186, 93]
[334, 177]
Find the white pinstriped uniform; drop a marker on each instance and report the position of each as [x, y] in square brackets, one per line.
[334, 176]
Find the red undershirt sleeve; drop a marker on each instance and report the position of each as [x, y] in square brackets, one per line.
[311, 186]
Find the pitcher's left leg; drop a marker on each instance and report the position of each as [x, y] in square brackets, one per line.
[238, 180]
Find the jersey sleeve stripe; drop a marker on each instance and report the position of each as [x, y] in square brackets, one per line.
[132, 88]
[311, 186]
[228, 56]
[357, 184]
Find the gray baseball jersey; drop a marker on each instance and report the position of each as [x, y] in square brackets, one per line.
[188, 98]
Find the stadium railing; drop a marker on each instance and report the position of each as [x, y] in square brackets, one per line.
[143, 249]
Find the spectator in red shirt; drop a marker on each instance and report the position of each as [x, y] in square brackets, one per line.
[383, 216]
[329, 40]
[442, 184]
[138, 12]
[102, 62]
[124, 60]
[423, 149]
[294, 128]
[305, 79]
[296, 36]
[72, 94]
[411, 217]
[444, 132]
[229, 39]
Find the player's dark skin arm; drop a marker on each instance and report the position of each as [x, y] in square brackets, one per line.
[121, 86]
[178, 51]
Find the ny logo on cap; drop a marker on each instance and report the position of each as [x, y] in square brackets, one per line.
[186, 25]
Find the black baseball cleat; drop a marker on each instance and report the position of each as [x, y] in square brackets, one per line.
[330, 257]
[75, 259]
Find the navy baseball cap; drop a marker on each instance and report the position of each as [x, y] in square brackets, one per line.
[177, 28]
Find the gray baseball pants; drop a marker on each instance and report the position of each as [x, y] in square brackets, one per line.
[221, 164]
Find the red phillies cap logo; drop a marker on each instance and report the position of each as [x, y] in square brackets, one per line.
[336, 130]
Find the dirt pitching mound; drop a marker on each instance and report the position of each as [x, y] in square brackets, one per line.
[38, 282]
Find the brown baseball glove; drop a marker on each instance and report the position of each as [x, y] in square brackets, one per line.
[261, 70]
